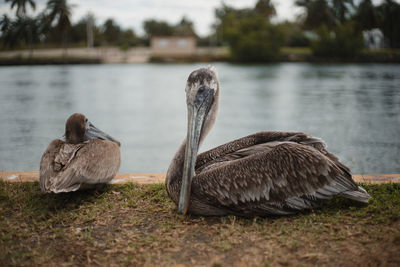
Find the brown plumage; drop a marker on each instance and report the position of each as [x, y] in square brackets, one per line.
[86, 158]
[267, 173]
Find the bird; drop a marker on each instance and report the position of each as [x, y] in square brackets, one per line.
[263, 174]
[88, 157]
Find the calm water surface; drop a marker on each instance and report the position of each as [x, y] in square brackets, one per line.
[354, 108]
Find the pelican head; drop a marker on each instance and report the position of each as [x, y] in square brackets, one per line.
[79, 129]
[202, 91]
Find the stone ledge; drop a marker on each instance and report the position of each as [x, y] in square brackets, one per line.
[156, 178]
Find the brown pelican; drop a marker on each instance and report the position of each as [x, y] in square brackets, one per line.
[86, 158]
[267, 173]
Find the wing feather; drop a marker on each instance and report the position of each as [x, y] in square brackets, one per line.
[289, 173]
[255, 143]
[47, 168]
[94, 162]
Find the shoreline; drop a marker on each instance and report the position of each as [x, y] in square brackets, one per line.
[114, 55]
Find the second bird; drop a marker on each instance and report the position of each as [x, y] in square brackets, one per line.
[87, 157]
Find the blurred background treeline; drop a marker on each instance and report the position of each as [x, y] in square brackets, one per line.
[325, 28]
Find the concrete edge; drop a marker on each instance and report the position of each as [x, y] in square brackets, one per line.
[156, 178]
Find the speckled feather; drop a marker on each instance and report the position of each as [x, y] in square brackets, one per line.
[69, 167]
[267, 173]
[270, 173]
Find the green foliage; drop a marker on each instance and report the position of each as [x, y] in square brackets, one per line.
[154, 27]
[251, 37]
[336, 13]
[342, 9]
[256, 41]
[265, 8]
[184, 27]
[366, 15]
[344, 41]
[318, 12]
[111, 32]
[389, 21]
[294, 34]
[21, 6]
[22, 30]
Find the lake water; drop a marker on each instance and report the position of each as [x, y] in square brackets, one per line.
[354, 108]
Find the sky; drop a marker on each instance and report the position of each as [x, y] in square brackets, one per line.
[132, 13]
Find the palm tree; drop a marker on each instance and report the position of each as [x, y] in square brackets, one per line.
[21, 6]
[60, 12]
[22, 29]
[5, 23]
[21, 22]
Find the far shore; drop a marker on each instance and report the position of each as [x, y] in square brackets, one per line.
[114, 55]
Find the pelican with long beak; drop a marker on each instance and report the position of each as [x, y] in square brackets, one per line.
[267, 173]
[87, 157]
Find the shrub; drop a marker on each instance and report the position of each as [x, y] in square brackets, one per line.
[254, 40]
[344, 41]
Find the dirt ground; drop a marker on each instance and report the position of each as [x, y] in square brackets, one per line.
[136, 225]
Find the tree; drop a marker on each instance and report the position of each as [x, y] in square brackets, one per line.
[344, 41]
[60, 13]
[5, 23]
[111, 32]
[389, 21]
[294, 34]
[341, 9]
[14, 36]
[184, 27]
[21, 6]
[265, 8]
[128, 39]
[153, 27]
[78, 32]
[366, 15]
[250, 36]
[318, 13]
[22, 29]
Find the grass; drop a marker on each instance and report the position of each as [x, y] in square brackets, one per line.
[138, 225]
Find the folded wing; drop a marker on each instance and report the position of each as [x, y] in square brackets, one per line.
[272, 173]
[67, 167]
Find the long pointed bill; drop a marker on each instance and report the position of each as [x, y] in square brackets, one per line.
[93, 132]
[195, 123]
[197, 112]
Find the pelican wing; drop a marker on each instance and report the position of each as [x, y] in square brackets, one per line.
[47, 163]
[96, 161]
[257, 142]
[286, 173]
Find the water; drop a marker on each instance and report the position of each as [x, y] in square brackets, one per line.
[354, 108]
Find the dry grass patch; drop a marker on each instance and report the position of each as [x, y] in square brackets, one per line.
[131, 224]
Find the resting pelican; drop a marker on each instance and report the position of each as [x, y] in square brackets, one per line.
[267, 173]
[86, 158]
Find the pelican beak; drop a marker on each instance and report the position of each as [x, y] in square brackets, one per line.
[92, 132]
[197, 113]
